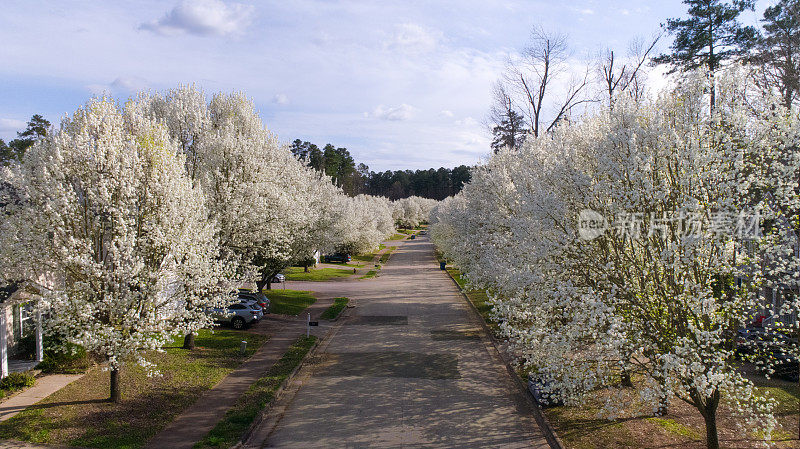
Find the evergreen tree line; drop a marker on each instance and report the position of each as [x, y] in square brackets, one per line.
[356, 179]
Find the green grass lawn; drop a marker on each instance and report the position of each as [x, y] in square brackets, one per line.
[581, 427]
[240, 417]
[289, 302]
[316, 274]
[333, 311]
[398, 237]
[478, 298]
[367, 258]
[370, 274]
[456, 274]
[385, 256]
[78, 414]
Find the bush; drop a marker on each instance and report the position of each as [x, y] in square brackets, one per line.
[16, 381]
[27, 347]
[63, 358]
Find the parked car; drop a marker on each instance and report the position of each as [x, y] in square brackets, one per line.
[769, 347]
[279, 278]
[423, 232]
[537, 388]
[238, 315]
[337, 257]
[255, 297]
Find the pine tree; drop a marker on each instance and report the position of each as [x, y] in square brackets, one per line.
[36, 130]
[710, 36]
[777, 50]
[510, 132]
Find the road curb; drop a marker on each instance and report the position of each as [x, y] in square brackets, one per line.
[549, 433]
[307, 361]
[262, 416]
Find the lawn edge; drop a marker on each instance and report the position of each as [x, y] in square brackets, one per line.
[277, 400]
[341, 312]
[547, 429]
[278, 393]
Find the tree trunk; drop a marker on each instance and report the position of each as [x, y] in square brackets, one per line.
[713, 94]
[663, 407]
[712, 439]
[709, 412]
[116, 394]
[625, 379]
[305, 269]
[269, 284]
[188, 341]
[260, 284]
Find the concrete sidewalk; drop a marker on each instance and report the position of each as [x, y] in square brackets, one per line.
[197, 420]
[45, 386]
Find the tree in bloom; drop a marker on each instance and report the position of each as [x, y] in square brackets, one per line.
[270, 208]
[625, 245]
[410, 212]
[109, 216]
[261, 197]
[362, 223]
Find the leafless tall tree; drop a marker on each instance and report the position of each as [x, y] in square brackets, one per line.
[626, 75]
[540, 75]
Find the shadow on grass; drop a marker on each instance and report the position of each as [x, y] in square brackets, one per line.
[80, 415]
[64, 403]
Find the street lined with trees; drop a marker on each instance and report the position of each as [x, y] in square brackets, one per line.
[638, 251]
[135, 220]
[630, 246]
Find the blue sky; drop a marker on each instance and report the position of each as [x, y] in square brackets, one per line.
[400, 84]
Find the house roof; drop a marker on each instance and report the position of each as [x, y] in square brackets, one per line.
[7, 290]
[20, 292]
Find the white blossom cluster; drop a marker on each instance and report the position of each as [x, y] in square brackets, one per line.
[139, 217]
[663, 308]
[412, 211]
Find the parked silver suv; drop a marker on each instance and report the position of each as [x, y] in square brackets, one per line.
[237, 315]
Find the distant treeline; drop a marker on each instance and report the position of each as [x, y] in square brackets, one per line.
[357, 178]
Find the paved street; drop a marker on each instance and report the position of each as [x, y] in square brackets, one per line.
[409, 366]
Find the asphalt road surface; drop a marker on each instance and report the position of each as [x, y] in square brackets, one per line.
[409, 366]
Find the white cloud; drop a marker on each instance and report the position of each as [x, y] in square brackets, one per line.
[586, 12]
[414, 38]
[129, 83]
[445, 113]
[468, 122]
[8, 125]
[397, 113]
[122, 85]
[280, 99]
[203, 18]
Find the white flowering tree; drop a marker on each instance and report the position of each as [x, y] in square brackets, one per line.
[266, 203]
[363, 222]
[410, 212]
[662, 292]
[111, 217]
